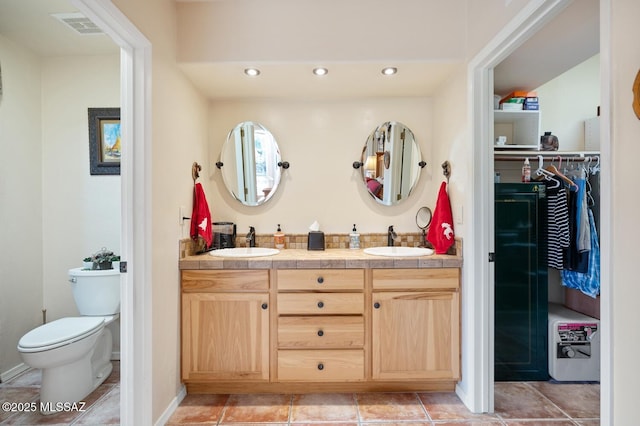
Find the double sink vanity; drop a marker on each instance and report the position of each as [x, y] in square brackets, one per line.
[257, 319]
[310, 321]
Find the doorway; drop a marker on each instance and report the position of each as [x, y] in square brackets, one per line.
[135, 286]
[481, 198]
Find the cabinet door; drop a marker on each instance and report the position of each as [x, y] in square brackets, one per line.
[521, 283]
[225, 336]
[415, 335]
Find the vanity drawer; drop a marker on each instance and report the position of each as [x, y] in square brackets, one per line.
[202, 281]
[416, 279]
[320, 303]
[321, 279]
[321, 332]
[321, 365]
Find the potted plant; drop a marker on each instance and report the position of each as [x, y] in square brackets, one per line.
[87, 263]
[104, 259]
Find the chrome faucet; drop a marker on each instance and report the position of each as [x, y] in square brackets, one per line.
[391, 236]
[251, 237]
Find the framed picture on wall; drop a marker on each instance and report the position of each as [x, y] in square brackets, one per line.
[105, 141]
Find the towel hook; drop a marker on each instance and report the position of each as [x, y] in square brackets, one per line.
[446, 170]
[195, 171]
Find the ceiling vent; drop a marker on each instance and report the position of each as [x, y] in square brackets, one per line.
[78, 23]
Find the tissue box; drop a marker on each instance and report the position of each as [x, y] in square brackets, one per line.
[315, 240]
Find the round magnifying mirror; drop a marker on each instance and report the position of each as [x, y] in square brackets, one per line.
[390, 163]
[423, 220]
[250, 158]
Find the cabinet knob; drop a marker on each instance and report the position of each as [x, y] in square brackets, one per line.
[376, 305]
[320, 333]
[320, 366]
[265, 306]
[320, 305]
[320, 280]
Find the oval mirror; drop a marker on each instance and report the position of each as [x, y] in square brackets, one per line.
[391, 163]
[250, 163]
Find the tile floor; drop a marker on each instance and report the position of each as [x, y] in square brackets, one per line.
[102, 406]
[516, 403]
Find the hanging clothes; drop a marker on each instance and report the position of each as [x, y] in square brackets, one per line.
[587, 282]
[574, 259]
[557, 226]
[583, 234]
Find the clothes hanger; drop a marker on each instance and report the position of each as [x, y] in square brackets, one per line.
[547, 175]
[551, 168]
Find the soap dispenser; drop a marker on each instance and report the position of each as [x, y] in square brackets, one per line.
[278, 238]
[354, 238]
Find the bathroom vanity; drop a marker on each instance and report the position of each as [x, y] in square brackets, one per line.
[337, 320]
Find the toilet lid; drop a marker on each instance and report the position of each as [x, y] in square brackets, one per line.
[62, 331]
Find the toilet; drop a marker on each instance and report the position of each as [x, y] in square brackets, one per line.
[74, 353]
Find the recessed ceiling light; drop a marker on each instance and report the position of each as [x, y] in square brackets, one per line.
[389, 70]
[320, 71]
[252, 72]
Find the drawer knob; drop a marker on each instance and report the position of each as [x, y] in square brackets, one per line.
[376, 305]
[265, 306]
[320, 280]
[320, 305]
[320, 333]
[320, 366]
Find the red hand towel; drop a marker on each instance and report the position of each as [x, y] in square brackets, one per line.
[201, 216]
[441, 233]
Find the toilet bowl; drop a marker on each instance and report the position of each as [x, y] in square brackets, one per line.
[74, 353]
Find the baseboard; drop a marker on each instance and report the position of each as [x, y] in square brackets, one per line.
[175, 403]
[10, 374]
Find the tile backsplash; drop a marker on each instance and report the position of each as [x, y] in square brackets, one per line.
[332, 241]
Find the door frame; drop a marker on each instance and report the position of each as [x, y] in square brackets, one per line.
[477, 389]
[136, 396]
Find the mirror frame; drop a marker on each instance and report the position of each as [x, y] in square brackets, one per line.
[381, 157]
[236, 154]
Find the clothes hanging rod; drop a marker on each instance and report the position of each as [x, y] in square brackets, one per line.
[576, 157]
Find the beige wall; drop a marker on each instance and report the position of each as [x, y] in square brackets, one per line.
[568, 100]
[21, 251]
[625, 232]
[81, 212]
[321, 140]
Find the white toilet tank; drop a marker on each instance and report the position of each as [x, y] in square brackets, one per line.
[96, 292]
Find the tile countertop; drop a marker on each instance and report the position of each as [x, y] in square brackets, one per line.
[318, 259]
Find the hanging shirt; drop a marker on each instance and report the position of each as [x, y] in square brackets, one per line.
[587, 282]
[557, 227]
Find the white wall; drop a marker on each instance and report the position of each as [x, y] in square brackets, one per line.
[321, 140]
[625, 232]
[20, 201]
[81, 212]
[568, 100]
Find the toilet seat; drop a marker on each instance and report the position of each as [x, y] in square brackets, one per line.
[59, 333]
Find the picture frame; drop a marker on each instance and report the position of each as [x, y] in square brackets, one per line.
[105, 139]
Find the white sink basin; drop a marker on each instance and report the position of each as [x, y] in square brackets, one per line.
[399, 251]
[244, 252]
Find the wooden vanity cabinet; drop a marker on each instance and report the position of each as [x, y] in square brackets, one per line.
[415, 324]
[314, 330]
[321, 331]
[225, 325]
